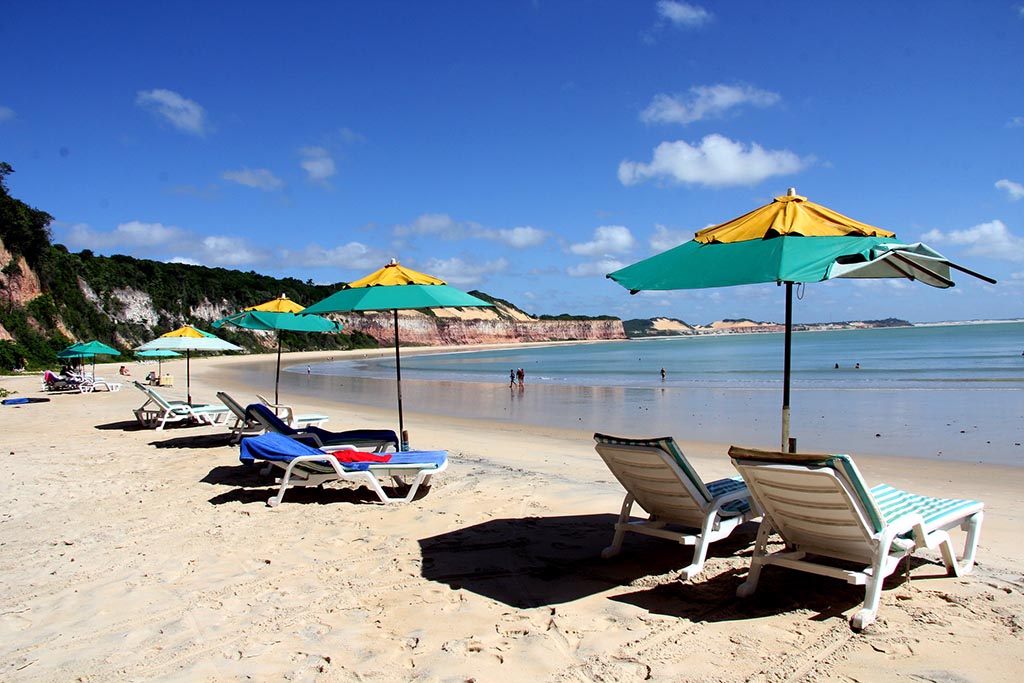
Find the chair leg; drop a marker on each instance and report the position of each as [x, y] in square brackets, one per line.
[620, 528]
[973, 527]
[747, 588]
[700, 550]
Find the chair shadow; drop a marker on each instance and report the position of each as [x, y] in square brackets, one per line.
[533, 561]
[779, 591]
[250, 486]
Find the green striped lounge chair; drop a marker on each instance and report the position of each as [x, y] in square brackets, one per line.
[824, 512]
[680, 505]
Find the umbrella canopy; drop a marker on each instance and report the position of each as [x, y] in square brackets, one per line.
[788, 241]
[281, 304]
[188, 339]
[159, 354]
[278, 315]
[89, 349]
[394, 288]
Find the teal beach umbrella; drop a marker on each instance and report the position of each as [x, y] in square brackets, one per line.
[394, 288]
[282, 317]
[159, 354]
[788, 241]
[89, 349]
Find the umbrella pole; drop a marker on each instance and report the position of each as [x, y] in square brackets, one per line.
[398, 374]
[786, 367]
[277, 379]
[188, 375]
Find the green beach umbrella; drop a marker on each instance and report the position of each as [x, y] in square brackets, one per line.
[394, 288]
[279, 315]
[89, 349]
[790, 240]
[188, 339]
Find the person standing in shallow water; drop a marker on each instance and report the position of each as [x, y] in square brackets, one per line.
[663, 373]
[521, 376]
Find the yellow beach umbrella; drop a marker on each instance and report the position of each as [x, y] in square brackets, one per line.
[281, 304]
[788, 215]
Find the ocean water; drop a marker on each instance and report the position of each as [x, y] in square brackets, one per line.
[951, 391]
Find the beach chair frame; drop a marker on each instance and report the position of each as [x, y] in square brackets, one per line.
[158, 411]
[681, 507]
[822, 510]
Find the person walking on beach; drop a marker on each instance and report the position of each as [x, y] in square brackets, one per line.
[511, 378]
[521, 376]
[663, 373]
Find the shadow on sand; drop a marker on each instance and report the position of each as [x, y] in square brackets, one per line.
[536, 561]
[251, 486]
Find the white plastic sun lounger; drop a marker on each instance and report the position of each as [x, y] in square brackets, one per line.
[305, 465]
[244, 424]
[823, 510]
[680, 505]
[158, 411]
[288, 416]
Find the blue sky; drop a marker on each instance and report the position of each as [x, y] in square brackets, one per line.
[523, 148]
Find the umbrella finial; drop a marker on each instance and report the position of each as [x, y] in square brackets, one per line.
[393, 262]
[791, 192]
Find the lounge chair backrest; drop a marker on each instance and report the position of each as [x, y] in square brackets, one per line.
[233, 405]
[668, 445]
[269, 420]
[657, 478]
[847, 476]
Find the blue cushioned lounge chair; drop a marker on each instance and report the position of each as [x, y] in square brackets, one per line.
[304, 465]
[823, 510]
[377, 440]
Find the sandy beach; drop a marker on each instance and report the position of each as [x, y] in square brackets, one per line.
[138, 555]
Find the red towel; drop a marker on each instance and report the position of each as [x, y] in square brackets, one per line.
[360, 456]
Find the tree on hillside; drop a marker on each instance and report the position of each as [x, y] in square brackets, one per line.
[25, 231]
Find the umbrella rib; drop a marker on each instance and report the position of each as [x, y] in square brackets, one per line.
[900, 257]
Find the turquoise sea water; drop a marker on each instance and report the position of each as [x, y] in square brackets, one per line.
[934, 357]
[952, 391]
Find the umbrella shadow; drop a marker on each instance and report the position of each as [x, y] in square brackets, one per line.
[123, 426]
[533, 561]
[218, 440]
[251, 485]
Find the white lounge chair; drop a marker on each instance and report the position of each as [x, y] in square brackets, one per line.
[288, 416]
[823, 510]
[307, 466]
[680, 505]
[158, 411]
[244, 424]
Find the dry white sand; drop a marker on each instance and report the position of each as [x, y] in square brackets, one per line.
[138, 555]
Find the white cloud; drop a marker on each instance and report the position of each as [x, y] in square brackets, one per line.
[460, 273]
[131, 235]
[259, 178]
[437, 224]
[991, 239]
[1016, 121]
[521, 237]
[182, 113]
[318, 164]
[704, 101]
[351, 256]
[682, 13]
[220, 250]
[1013, 189]
[664, 238]
[608, 239]
[716, 162]
[6, 113]
[184, 260]
[600, 268]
